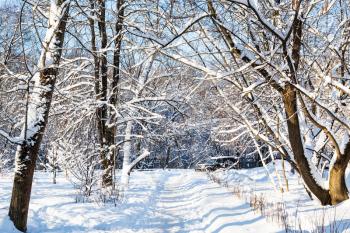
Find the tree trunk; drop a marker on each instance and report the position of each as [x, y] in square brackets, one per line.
[166, 162]
[337, 186]
[127, 155]
[117, 50]
[111, 131]
[294, 134]
[104, 113]
[37, 115]
[106, 134]
[22, 185]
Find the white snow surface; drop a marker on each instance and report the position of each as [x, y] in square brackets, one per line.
[302, 212]
[178, 201]
[157, 201]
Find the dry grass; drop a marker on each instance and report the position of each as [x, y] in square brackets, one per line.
[277, 212]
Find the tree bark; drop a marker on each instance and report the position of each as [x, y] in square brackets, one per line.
[33, 131]
[294, 134]
[106, 134]
[337, 185]
[104, 113]
[117, 50]
[126, 154]
[337, 191]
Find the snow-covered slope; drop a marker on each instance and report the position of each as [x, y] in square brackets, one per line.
[300, 211]
[157, 201]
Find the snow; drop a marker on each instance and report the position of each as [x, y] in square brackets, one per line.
[157, 201]
[8, 137]
[176, 201]
[300, 209]
[344, 142]
[50, 42]
[126, 154]
[252, 4]
[38, 99]
[250, 88]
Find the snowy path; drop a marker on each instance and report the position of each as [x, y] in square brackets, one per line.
[187, 201]
[175, 201]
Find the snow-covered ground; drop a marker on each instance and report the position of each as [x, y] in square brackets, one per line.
[157, 201]
[301, 212]
[174, 201]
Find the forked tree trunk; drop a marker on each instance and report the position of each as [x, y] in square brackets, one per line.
[289, 96]
[294, 134]
[337, 191]
[100, 73]
[37, 114]
[104, 113]
[106, 134]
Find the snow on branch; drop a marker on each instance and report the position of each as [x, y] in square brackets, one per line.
[249, 89]
[140, 33]
[315, 121]
[143, 155]
[51, 42]
[14, 140]
[338, 85]
[310, 96]
[252, 4]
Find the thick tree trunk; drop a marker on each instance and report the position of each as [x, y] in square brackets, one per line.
[106, 134]
[22, 184]
[337, 189]
[26, 157]
[104, 113]
[110, 131]
[337, 186]
[289, 96]
[37, 115]
[100, 67]
[294, 134]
